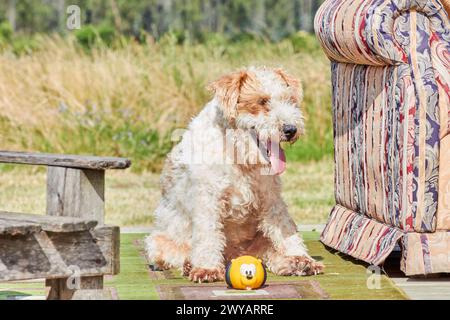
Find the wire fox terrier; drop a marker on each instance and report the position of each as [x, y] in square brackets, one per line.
[221, 190]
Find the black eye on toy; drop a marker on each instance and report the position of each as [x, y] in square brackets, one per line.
[246, 273]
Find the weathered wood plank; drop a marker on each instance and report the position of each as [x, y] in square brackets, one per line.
[81, 193]
[54, 255]
[68, 161]
[46, 223]
[14, 228]
[76, 193]
[86, 288]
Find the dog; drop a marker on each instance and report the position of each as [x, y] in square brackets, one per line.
[221, 190]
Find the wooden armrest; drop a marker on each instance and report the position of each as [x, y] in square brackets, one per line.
[63, 160]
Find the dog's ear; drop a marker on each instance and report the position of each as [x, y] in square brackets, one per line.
[227, 90]
[292, 83]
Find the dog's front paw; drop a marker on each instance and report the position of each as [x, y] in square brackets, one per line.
[206, 275]
[300, 266]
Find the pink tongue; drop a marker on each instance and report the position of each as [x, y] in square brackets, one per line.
[277, 158]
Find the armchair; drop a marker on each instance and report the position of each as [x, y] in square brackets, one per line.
[390, 62]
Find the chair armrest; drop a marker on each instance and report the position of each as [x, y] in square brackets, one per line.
[364, 32]
[62, 160]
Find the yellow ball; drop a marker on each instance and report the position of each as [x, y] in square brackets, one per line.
[246, 273]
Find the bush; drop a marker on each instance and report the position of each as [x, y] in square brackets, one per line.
[6, 32]
[90, 36]
[86, 36]
[304, 42]
[24, 45]
[107, 34]
[244, 37]
[215, 39]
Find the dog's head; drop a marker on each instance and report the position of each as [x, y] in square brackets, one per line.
[265, 102]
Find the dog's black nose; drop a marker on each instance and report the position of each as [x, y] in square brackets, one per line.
[289, 131]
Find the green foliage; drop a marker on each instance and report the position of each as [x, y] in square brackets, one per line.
[23, 45]
[107, 34]
[6, 32]
[99, 133]
[86, 36]
[305, 42]
[17, 43]
[272, 19]
[90, 36]
[311, 148]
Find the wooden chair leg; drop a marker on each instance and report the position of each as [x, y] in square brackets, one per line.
[90, 288]
[78, 193]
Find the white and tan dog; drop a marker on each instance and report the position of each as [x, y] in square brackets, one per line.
[221, 191]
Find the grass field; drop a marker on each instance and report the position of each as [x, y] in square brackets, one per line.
[131, 198]
[127, 100]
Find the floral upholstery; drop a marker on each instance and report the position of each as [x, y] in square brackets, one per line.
[446, 4]
[390, 62]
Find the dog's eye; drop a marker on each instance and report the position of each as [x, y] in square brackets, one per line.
[263, 101]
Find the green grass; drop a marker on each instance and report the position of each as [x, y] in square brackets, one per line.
[133, 282]
[344, 278]
[131, 198]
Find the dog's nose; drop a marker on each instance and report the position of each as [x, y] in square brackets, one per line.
[289, 131]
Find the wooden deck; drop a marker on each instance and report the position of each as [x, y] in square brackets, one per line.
[435, 287]
[432, 287]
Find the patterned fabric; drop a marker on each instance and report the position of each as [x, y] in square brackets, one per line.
[364, 32]
[443, 218]
[446, 4]
[359, 236]
[425, 253]
[391, 113]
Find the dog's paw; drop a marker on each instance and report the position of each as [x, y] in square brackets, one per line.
[300, 266]
[206, 275]
[159, 265]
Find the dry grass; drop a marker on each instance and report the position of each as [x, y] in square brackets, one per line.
[124, 101]
[131, 198]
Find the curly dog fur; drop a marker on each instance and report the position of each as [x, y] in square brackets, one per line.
[221, 191]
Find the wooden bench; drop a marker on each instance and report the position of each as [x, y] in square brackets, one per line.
[70, 247]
